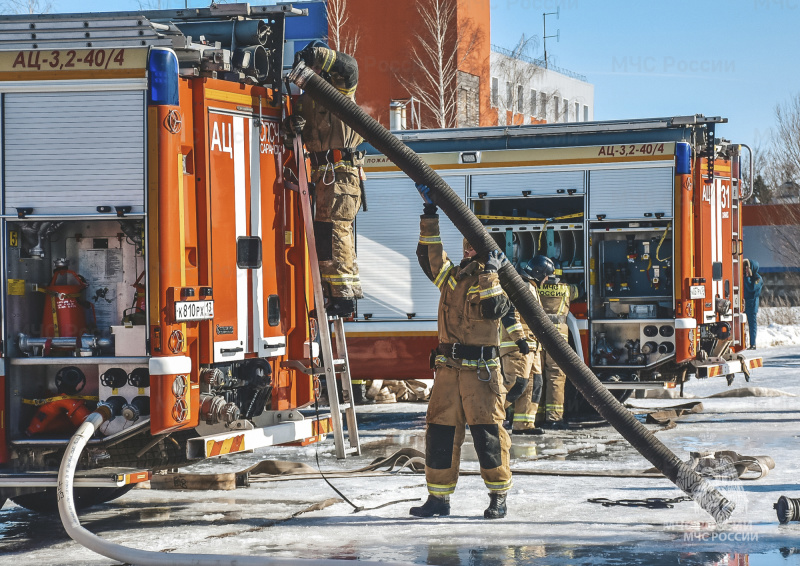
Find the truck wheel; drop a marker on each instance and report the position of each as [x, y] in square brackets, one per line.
[576, 407]
[46, 502]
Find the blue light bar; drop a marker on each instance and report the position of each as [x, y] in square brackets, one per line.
[683, 158]
[163, 73]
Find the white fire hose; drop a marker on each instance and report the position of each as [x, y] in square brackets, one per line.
[69, 517]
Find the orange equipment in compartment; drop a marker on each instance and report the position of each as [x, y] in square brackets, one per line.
[63, 313]
[136, 313]
[61, 416]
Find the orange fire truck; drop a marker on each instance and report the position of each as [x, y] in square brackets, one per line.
[154, 260]
[644, 216]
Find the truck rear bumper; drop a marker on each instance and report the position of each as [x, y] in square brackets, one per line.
[245, 440]
[95, 479]
[743, 364]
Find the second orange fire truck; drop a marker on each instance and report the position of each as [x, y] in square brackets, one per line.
[644, 216]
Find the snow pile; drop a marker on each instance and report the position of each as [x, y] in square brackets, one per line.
[771, 331]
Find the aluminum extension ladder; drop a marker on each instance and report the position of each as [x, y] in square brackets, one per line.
[331, 366]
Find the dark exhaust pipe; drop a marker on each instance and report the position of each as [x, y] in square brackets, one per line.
[585, 381]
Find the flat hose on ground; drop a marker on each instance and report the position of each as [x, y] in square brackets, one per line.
[585, 381]
[126, 555]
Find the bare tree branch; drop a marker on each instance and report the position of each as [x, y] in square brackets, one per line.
[778, 168]
[437, 51]
[341, 37]
[515, 70]
[26, 6]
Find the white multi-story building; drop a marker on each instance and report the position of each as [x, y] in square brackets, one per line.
[524, 91]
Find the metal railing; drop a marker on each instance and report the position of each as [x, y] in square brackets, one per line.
[539, 63]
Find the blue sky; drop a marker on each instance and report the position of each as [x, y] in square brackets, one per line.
[734, 58]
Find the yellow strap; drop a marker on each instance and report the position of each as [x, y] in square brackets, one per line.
[55, 315]
[40, 402]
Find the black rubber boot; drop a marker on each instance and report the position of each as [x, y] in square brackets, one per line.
[360, 395]
[433, 506]
[341, 307]
[497, 506]
[533, 431]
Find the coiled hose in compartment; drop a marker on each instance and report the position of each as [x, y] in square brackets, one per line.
[456, 210]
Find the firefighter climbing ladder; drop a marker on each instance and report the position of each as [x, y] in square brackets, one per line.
[332, 366]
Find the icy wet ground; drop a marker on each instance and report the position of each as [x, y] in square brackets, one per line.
[550, 520]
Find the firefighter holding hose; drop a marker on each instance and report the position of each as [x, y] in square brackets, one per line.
[468, 387]
[336, 174]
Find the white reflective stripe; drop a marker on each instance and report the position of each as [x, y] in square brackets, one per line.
[491, 292]
[259, 309]
[514, 328]
[684, 323]
[443, 273]
[581, 323]
[240, 194]
[170, 365]
[427, 240]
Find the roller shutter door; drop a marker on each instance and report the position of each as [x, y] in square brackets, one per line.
[631, 194]
[386, 239]
[70, 152]
[507, 185]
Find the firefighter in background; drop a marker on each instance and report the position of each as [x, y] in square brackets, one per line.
[526, 395]
[336, 174]
[753, 283]
[468, 388]
[556, 297]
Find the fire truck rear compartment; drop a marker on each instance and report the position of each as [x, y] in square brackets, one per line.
[97, 266]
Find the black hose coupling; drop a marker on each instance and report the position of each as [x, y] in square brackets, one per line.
[300, 74]
[788, 509]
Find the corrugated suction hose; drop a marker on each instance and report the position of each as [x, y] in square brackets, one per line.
[585, 381]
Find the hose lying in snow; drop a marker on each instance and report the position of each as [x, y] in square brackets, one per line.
[69, 517]
[546, 333]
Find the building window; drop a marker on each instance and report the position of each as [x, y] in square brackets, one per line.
[585, 113]
[577, 111]
[495, 88]
[566, 110]
[520, 99]
[543, 106]
[533, 103]
[556, 108]
[509, 95]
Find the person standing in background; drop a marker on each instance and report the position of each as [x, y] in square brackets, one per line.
[753, 283]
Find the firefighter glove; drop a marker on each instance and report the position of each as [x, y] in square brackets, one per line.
[424, 192]
[305, 55]
[429, 209]
[297, 123]
[496, 260]
[524, 349]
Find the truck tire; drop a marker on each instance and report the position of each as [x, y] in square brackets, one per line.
[578, 408]
[46, 501]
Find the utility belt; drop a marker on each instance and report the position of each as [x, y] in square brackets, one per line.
[347, 157]
[466, 352]
[351, 157]
[557, 318]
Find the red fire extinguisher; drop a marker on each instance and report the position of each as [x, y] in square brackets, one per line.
[64, 315]
[136, 313]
